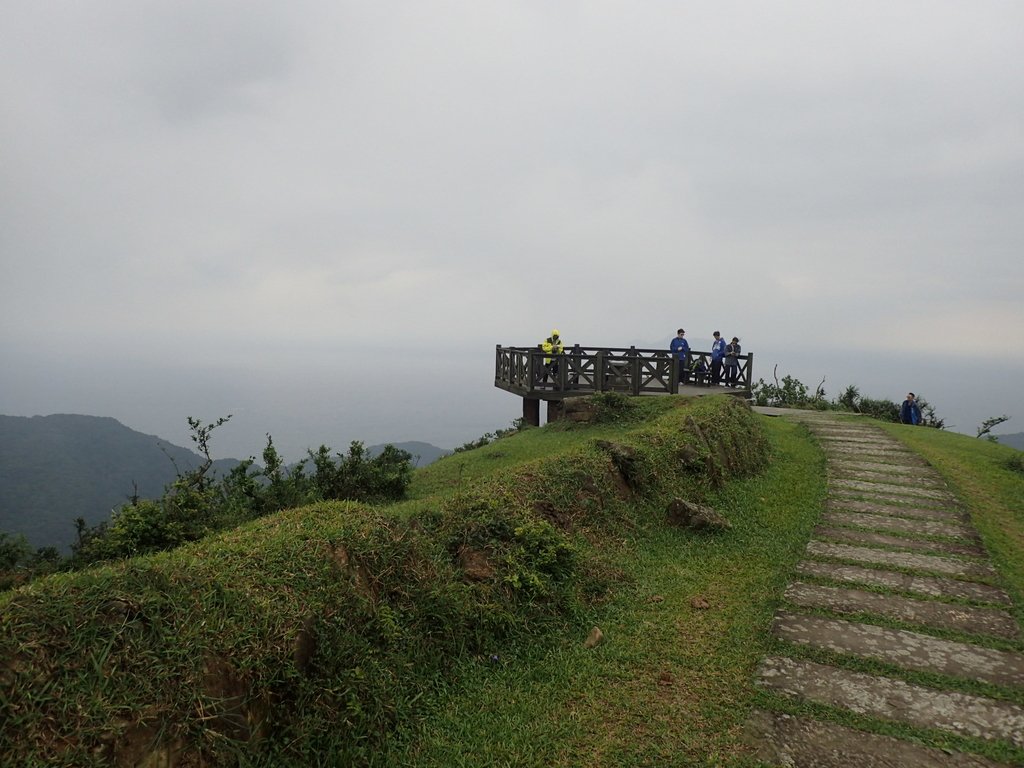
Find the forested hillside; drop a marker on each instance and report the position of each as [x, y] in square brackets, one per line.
[56, 468]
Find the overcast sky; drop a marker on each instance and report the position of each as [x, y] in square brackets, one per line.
[322, 216]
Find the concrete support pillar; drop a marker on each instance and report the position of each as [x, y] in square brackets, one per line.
[531, 411]
[555, 410]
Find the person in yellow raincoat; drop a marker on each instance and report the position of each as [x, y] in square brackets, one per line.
[553, 347]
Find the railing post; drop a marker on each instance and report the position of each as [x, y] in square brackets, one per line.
[600, 381]
[673, 371]
[634, 370]
[750, 371]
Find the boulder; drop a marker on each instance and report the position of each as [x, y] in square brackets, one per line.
[696, 517]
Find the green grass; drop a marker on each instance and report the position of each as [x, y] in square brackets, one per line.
[340, 634]
[459, 471]
[989, 479]
[309, 636]
[671, 684]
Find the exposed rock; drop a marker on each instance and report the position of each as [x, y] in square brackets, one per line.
[624, 459]
[358, 574]
[475, 564]
[228, 694]
[696, 517]
[594, 638]
[700, 603]
[121, 608]
[579, 409]
[689, 457]
[558, 517]
[305, 644]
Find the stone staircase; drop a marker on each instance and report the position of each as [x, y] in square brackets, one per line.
[896, 581]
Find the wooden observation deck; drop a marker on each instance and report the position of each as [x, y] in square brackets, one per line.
[587, 370]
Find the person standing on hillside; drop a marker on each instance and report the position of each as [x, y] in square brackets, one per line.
[717, 353]
[681, 347]
[552, 347]
[910, 411]
[732, 362]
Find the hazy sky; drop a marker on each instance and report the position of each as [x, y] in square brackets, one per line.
[322, 216]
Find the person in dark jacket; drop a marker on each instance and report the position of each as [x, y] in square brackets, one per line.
[681, 347]
[717, 354]
[910, 411]
[732, 362]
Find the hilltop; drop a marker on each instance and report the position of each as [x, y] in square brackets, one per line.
[255, 626]
[458, 626]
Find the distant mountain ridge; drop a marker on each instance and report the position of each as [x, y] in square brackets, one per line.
[1014, 440]
[56, 468]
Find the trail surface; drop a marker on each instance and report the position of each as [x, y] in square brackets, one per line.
[896, 576]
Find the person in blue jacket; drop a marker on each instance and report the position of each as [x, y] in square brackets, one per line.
[910, 411]
[681, 347]
[732, 362]
[717, 353]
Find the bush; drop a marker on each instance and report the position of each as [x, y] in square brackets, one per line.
[197, 504]
[792, 393]
[518, 425]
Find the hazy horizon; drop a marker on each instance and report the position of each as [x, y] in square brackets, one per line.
[308, 215]
[456, 403]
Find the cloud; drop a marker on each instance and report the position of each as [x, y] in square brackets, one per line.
[228, 183]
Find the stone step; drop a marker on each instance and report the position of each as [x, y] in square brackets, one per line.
[931, 586]
[853, 429]
[915, 475]
[951, 513]
[901, 525]
[897, 489]
[840, 435]
[896, 462]
[886, 698]
[902, 648]
[993, 622]
[878, 497]
[881, 464]
[865, 438]
[947, 566]
[799, 742]
[872, 539]
[890, 456]
[874, 448]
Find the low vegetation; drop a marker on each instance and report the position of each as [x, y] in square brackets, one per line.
[793, 393]
[316, 631]
[989, 478]
[199, 503]
[451, 628]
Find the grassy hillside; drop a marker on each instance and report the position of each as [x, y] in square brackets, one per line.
[313, 634]
[989, 478]
[685, 623]
[449, 629]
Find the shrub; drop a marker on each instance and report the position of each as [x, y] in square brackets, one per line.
[197, 504]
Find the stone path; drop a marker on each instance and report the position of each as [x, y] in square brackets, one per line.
[895, 578]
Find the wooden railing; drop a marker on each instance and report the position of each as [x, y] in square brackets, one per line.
[585, 370]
